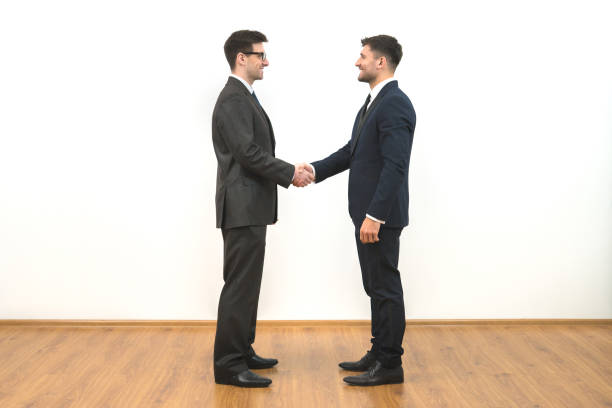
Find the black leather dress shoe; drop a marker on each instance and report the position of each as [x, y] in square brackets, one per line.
[378, 375]
[364, 364]
[255, 362]
[245, 379]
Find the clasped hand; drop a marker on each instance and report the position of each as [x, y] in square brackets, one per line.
[303, 175]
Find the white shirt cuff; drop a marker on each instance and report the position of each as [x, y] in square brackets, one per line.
[374, 219]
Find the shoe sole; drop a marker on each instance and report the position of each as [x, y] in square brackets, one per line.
[394, 381]
[256, 385]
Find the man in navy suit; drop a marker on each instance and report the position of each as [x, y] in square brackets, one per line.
[378, 156]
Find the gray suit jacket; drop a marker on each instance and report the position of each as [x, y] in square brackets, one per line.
[247, 171]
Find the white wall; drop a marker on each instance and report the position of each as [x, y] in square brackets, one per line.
[107, 172]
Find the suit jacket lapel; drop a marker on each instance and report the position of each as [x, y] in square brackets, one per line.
[373, 105]
[266, 119]
[257, 107]
[271, 131]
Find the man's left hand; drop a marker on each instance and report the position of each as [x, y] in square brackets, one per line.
[368, 234]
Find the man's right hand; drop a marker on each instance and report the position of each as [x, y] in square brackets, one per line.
[303, 175]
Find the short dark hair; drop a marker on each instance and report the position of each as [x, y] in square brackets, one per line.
[241, 41]
[387, 46]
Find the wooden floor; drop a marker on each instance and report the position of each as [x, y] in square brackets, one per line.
[444, 366]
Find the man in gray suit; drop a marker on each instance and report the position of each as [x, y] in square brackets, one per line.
[246, 201]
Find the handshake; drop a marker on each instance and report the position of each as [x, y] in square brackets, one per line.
[303, 175]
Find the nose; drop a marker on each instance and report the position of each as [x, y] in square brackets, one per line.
[357, 63]
[266, 62]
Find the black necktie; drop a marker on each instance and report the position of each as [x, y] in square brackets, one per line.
[365, 107]
[256, 100]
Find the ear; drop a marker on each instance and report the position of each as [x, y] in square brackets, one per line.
[382, 62]
[240, 59]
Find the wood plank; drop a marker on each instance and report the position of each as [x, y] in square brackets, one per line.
[171, 366]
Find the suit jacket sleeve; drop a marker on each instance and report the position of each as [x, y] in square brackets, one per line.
[395, 133]
[333, 164]
[236, 128]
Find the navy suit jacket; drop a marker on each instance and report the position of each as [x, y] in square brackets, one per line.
[378, 156]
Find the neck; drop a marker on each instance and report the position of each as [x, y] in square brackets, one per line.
[243, 76]
[379, 79]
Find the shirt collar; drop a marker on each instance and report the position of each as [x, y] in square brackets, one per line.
[375, 91]
[248, 86]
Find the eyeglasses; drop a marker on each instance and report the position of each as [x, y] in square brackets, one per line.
[262, 55]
